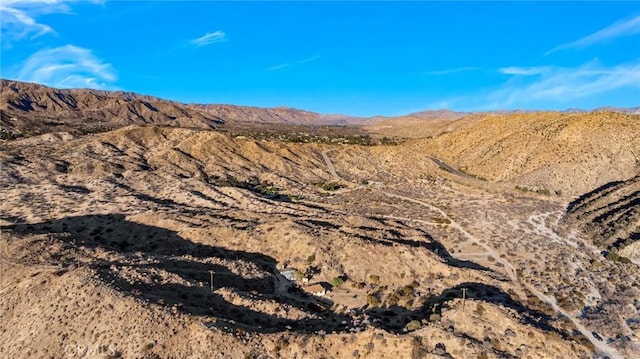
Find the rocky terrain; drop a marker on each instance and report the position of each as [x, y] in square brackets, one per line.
[278, 115]
[611, 215]
[158, 241]
[565, 153]
[30, 109]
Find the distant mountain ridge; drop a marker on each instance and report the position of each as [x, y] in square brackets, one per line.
[285, 115]
[30, 108]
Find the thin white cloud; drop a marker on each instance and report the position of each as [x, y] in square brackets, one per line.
[524, 71]
[566, 84]
[278, 67]
[548, 86]
[18, 18]
[451, 71]
[209, 38]
[17, 24]
[68, 66]
[621, 28]
[282, 66]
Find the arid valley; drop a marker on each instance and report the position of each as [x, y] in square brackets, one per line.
[142, 228]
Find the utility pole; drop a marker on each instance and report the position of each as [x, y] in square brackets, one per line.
[211, 272]
[77, 253]
[464, 296]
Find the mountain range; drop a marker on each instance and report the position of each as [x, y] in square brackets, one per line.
[131, 226]
[29, 108]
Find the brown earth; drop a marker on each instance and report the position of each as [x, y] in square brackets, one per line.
[557, 152]
[109, 240]
[611, 215]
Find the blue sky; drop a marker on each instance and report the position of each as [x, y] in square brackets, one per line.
[358, 58]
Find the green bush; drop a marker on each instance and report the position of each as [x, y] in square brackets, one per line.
[612, 256]
[544, 191]
[372, 300]
[413, 325]
[337, 281]
[331, 186]
[392, 299]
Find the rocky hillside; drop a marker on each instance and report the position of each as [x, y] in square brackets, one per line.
[154, 241]
[109, 240]
[610, 216]
[549, 152]
[277, 115]
[29, 109]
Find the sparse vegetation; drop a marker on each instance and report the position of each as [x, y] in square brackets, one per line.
[441, 220]
[330, 186]
[615, 257]
[373, 300]
[163, 206]
[542, 191]
[336, 281]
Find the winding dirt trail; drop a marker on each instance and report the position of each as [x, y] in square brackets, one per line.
[602, 348]
[327, 160]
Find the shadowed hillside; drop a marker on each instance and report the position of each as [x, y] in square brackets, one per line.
[558, 152]
[610, 216]
[157, 241]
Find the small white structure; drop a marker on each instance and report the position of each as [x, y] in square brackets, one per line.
[315, 289]
[289, 273]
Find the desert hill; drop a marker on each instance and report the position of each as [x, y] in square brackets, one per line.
[32, 109]
[278, 115]
[610, 215]
[545, 151]
[28, 109]
[436, 123]
[137, 217]
[109, 240]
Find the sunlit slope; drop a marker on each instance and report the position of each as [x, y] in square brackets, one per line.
[568, 153]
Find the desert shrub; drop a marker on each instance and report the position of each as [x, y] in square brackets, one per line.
[375, 279]
[409, 304]
[392, 299]
[617, 258]
[331, 186]
[388, 141]
[406, 291]
[311, 258]
[373, 300]
[358, 285]
[441, 220]
[413, 325]
[337, 281]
